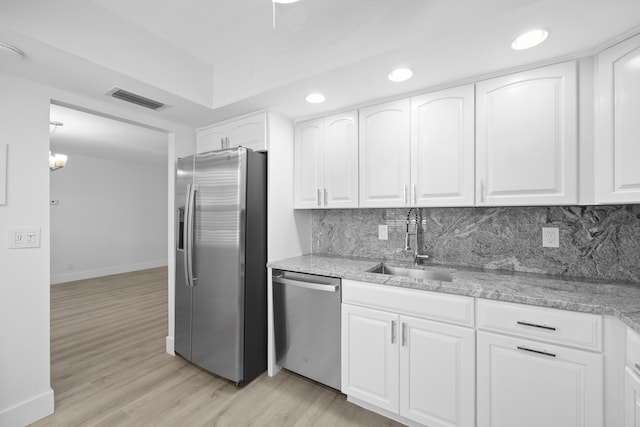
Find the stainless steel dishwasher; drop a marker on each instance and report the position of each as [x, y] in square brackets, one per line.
[307, 325]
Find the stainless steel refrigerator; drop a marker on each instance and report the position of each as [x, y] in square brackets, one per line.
[220, 292]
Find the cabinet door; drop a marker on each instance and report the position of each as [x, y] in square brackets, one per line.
[437, 373]
[526, 136]
[250, 132]
[442, 148]
[211, 139]
[631, 399]
[341, 160]
[385, 154]
[370, 356]
[618, 127]
[531, 384]
[308, 185]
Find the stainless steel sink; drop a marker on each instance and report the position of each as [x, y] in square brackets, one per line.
[413, 272]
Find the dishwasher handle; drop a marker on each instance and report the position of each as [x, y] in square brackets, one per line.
[307, 285]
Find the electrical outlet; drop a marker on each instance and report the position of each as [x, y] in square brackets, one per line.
[24, 237]
[383, 232]
[550, 237]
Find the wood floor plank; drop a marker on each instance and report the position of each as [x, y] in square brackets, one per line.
[109, 368]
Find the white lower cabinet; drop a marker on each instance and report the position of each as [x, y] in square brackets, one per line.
[632, 381]
[420, 369]
[370, 356]
[528, 383]
[631, 399]
[437, 373]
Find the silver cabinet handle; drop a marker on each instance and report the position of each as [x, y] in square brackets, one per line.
[222, 143]
[404, 194]
[306, 285]
[535, 325]
[393, 331]
[482, 191]
[415, 195]
[404, 334]
[326, 194]
[319, 198]
[531, 350]
[228, 142]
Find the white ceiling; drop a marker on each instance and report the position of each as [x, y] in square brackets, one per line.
[210, 60]
[88, 134]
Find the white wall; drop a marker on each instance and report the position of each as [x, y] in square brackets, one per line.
[288, 230]
[111, 218]
[25, 392]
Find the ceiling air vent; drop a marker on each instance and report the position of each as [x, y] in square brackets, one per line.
[135, 98]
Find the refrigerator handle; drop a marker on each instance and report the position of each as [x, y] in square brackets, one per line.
[187, 227]
[190, 214]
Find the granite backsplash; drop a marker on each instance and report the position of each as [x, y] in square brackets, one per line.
[597, 242]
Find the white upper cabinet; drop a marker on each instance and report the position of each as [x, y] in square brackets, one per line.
[211, 139]
[442, 148]
[309, 162]
[385, 143]
[526, 138]
[326, 162]
[617, 147]
[341, 160]
[249, 132]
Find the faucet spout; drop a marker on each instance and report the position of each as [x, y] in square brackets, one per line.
[417, 256]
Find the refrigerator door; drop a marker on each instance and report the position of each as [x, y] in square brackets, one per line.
[184, 178]
[218, 262]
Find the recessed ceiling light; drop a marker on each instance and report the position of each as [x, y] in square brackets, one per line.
[529, 39]
[315, 98]
[400, 74]
[8, 48]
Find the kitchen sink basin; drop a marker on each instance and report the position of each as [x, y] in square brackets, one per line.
[413, 272]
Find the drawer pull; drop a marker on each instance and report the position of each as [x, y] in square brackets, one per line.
[404, 334]
[549, 328]
[393, 331]
[544, 353]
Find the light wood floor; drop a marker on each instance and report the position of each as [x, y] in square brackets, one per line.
[109, 368]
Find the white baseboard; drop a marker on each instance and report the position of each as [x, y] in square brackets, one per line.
[169, 345]
[107, 271]
[28, 411]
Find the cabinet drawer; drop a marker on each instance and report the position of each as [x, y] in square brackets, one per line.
[633, 350]
[563, 327]
[429, 305]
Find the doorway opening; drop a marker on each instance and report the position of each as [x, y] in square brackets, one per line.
[109, 202]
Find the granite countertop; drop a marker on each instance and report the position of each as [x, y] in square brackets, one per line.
[621, 300]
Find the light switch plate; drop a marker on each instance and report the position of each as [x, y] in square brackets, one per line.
[550, 237]
[383, 232]
[24, 237]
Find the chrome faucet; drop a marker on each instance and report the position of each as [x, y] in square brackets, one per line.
[417, 256]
